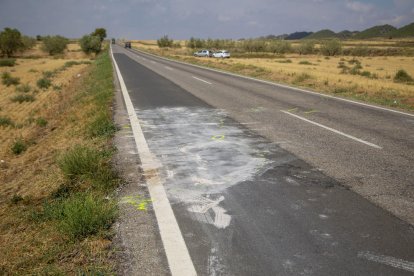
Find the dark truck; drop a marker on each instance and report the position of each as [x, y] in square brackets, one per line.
[113, 40]
[128, 44]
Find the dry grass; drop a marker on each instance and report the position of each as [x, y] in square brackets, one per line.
[325, 76]
[27, 180]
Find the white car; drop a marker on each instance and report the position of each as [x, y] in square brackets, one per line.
[203, 53]
[222, 54]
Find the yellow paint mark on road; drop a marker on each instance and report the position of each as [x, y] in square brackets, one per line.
[311, 111]
[126, 126]
[138, 202]
[218, 137]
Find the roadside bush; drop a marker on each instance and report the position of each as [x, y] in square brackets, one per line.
[360, 51]
[44, 83]
[7, 62]
[91, 44]
[80, 162]
[301, 78]
[54, 44]
[331, 47]
[164, 42]
[21, 98]
[8, 80]
[19, 146]
[5, 121]
[403, 77]
[28, 42]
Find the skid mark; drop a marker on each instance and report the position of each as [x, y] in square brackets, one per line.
[387, 260]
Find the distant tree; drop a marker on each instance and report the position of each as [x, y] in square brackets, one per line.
[164, 42]
[99, 32]
[306, 47]
[54, 44]
[279, 47]
[90, 44]
[331, 47]
[10, 41]
[28, 42]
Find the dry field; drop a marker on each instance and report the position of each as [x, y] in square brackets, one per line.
[33, 134]
[374, 81]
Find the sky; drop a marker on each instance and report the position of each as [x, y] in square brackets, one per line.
[182, 19]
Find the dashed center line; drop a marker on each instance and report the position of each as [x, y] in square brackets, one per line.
[333, 130]
[202, 80]
[388, 260]
[168, 68]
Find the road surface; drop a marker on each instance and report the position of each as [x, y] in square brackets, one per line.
[258, 175]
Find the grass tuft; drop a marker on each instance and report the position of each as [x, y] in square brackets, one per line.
[8, 80]
[403, 77]
[6, 121]
[102, 126]
[84, 214]
[19, 146]
[21, 98]
[43, 83]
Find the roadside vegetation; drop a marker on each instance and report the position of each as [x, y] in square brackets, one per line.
[56, 196]
[377, 70]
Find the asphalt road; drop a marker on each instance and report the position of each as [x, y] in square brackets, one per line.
[258, 175]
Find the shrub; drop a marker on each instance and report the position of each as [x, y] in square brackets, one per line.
[8, 80]
[19, 146]
[16, 199]
[5, 121]
[305, 62]
[331, 47]
[43, 83]
[9, 62]
[301, 78]
[402, 76]
[90, 44]
[21, 98]
[164, 42]
[80, 162]
[24, 88]
[48, 74]
[54, 44]
[279, 47]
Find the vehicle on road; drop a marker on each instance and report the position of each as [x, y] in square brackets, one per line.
[113, 40]
[221, 54]
[128, 44]
[203, 53]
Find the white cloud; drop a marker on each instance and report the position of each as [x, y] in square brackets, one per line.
[359, 7]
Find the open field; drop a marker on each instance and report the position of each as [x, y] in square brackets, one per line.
[41, 124]
[368, 79]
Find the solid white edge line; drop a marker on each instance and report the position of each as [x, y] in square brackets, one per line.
[333, 130]
[388, 260]
[202, 80]
[280, 85]
[178, 257]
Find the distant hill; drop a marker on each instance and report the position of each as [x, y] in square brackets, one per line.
[376, 31]
[322, 34]
[346, 34]
[406, 31]
[298, 35]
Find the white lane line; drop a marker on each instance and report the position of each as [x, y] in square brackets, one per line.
[387, 260]
[333, 130]
[178, 257]
[279, 85]
[202, 80]
[168, 68]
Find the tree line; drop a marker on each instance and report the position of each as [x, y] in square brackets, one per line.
[13, 41]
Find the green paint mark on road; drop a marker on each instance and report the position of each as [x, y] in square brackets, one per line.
[218, 137]
[311, 111]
